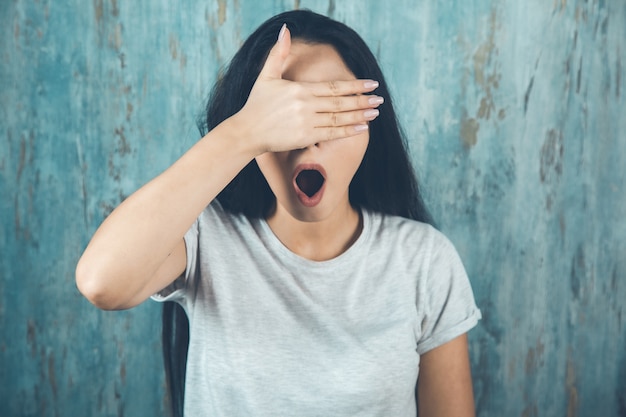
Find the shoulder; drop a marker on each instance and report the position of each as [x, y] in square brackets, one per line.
[417, 246]
[408, 233]
[215, 216]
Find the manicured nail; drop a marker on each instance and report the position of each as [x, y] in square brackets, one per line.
[371, 113]
[370, 84]
[361, 128]
[281, 34]
[376, 100]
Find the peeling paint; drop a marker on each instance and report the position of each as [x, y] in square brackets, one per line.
[469, 131]
[534, 358]
[560, 4]
[483, 58]
[579, 75]
[52, 376]
[331, 8]
[221, 12]
[618, 75]
[514, 115]
[123, 147]
[173, 47]
[529, 89]
[129, 111]
[115, 38]
[551, 166]
[31, 336]
[578, 274]
[98, 8]
[572, 390]
[530, 411]
[115, 11]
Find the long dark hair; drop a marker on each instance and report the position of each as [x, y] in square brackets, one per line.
[385, 181]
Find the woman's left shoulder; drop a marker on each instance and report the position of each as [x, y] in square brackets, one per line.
[411, 236]
[404, 229]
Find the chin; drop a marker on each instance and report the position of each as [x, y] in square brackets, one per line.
[308, 215]
[305, 214]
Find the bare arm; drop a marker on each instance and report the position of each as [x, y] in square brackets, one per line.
[139, 249]
[444, 386]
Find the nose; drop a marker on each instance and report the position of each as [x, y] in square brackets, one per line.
[309, 147]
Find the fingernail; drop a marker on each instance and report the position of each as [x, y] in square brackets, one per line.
[370, 84]
[281, 34]
[361, 128]
[376, 100]
[370, 114]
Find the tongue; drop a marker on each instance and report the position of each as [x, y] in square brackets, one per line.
[310, 182]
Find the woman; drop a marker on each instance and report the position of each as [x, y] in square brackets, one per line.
[295, 239]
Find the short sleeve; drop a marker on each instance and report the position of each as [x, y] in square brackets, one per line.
[449, 308]
[178, 290]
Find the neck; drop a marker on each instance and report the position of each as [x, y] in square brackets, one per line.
[321, 240]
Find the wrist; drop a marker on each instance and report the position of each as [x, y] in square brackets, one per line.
[239, 137]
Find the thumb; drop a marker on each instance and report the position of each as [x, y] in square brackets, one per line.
[273, 67]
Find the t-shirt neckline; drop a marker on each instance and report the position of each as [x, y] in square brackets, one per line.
[287, 256]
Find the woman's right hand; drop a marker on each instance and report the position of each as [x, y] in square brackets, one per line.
[282, 115]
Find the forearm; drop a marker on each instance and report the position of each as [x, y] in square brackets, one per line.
[139, 235]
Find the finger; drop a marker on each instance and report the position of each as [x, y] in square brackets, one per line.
[351, 118]
[338, 104]
[323, 134]
[273, 67]
[341, 88]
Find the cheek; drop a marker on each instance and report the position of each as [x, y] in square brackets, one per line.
[350, 152]
[272, 169]
[363, 143]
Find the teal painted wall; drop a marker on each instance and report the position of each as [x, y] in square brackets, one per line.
[516, 114]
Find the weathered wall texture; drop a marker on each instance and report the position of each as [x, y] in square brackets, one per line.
[516, 114]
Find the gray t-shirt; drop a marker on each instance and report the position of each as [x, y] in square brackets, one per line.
[274, 334]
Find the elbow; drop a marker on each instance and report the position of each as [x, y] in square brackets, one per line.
[96, 288]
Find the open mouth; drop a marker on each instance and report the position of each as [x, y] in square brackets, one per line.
[309, 181]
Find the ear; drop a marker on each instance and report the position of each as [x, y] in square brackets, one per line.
[273, 67]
